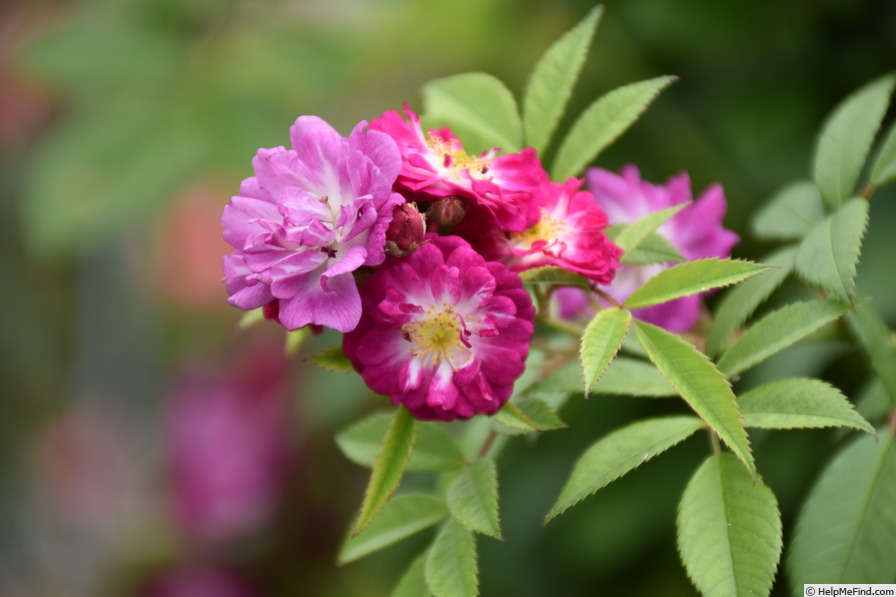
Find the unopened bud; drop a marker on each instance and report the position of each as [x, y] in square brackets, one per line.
[448, 212]
[405, 232]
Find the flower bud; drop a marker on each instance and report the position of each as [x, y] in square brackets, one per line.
[448, 212]
[406, 230]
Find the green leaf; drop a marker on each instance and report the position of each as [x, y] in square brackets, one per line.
[799, 403]
[451, 568]
[529, 415]
[884, 169]
[739, 303]
[602, 123]
[625, 376]
[790, 213]
[633, 377]
[846, 532]
[618, 453]
[388, 468]
[830, 252]
[473, 498]
[729, 530]
[872, 331]
[601, 342]
[435, 449]
[655, 248]
[777, 331]
[403, 516]
[332, 359]
[479, 108]
[629, 237]
[556, 276]
[552, 81]
[691, 278]
[701, 385]
[413, 582]
[846, 139]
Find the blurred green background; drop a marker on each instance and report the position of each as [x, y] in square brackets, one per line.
[126, 126]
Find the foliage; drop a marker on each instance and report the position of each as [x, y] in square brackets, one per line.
[729, 525]
[744, 379]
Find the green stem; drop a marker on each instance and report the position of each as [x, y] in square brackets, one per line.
[487, 444]
[714, 441]
[563, 326]
[868, 191]
[606, 297]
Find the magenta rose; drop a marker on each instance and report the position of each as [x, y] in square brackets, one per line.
[443, 332]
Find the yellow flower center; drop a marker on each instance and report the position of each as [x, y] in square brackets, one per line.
[436, 335]
[457, 159]
[548, 228]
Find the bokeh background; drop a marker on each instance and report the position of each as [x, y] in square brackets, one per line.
[149, 445]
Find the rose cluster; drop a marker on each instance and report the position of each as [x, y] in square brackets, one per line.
[412, 248]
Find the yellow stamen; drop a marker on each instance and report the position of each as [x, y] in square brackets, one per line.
[436, 336]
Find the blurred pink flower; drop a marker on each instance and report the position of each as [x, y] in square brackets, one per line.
[308, 219]
[435, 166]
[444, 332]
[89, 471]
[198, 581]
[186, 254]
[228, 448]
[696, 231]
